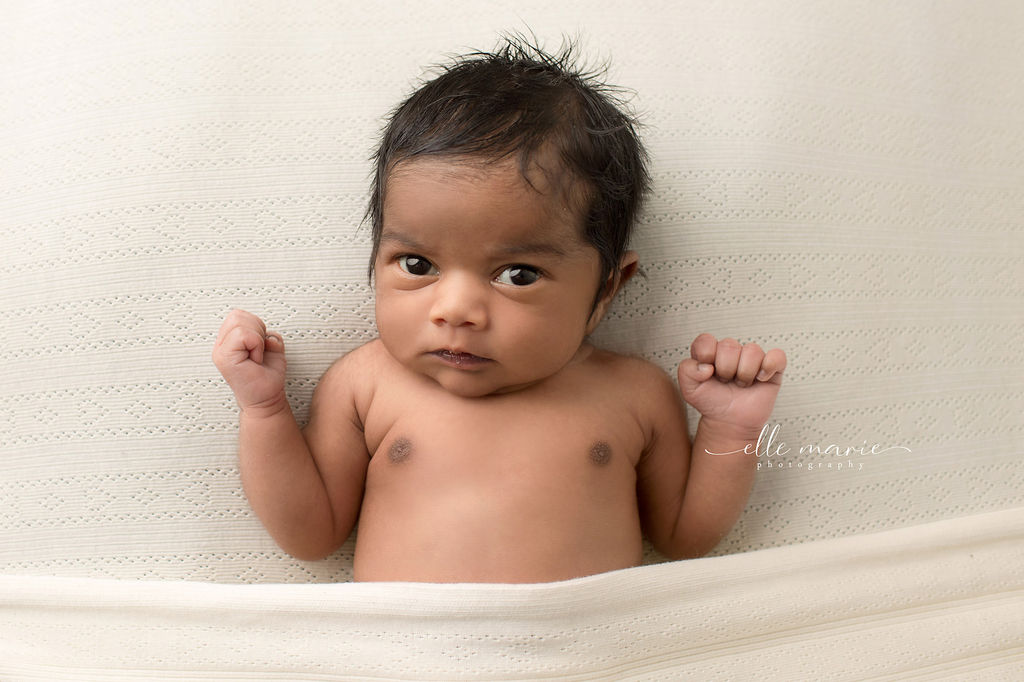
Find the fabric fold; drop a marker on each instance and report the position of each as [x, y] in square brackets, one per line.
[947, 596]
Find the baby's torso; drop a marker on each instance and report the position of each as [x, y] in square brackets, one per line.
[532, 486]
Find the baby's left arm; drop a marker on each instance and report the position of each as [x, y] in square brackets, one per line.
[690, 500]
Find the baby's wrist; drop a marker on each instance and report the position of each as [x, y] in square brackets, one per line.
[265, 409]
[727, 433]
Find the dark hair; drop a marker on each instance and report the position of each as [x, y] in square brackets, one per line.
[516, 100]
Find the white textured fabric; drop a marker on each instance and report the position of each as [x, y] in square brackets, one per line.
[840, 179]
[864, 607]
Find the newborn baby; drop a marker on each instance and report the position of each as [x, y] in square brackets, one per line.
[481, 437]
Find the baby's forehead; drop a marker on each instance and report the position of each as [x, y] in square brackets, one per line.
[459, 168]
[430, 194]
[539, 175]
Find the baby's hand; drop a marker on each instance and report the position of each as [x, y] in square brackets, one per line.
[735, 385]
[251, 360]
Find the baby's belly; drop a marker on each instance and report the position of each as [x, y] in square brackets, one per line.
[436, 516]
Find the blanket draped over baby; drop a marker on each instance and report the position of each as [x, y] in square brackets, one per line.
[858, 607]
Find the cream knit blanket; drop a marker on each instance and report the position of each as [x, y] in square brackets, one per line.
[939, 600]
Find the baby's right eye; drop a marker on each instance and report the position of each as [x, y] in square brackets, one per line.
[417, 265]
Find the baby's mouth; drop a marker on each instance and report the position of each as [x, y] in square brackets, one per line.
[459, 359]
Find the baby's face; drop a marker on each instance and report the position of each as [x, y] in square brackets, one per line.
[483, 284]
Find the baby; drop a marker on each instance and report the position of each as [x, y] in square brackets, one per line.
[481, 437]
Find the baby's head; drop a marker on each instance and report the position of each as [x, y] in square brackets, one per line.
[505, 194]
[519, 103]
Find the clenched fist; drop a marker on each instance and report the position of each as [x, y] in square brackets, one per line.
[732, 384]
[252, 361]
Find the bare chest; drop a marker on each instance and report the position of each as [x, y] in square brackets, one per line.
[523, 487]
[503, 436]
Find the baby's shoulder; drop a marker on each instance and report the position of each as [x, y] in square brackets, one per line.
[630, 373]
[357, 372]
[642, 388]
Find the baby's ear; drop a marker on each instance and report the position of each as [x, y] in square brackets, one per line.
[628, 266]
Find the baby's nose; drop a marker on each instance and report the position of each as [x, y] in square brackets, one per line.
[460, 301]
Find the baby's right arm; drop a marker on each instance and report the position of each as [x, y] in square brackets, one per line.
[306, 489]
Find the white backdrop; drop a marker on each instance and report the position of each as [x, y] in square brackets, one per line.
[842, 180]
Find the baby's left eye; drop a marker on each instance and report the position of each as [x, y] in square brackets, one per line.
[518, 275]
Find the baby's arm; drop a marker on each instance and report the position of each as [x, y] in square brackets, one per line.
[693, 499]
[306, 489]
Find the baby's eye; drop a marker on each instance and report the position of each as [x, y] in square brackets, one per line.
[518, 275]
[416, 265]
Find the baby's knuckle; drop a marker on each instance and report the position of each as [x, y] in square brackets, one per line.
[240, 335]
[703, 341]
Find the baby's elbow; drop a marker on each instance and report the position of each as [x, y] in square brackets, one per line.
[684, 553]
[308, 554]
[310, 549]
[690, 547]
[315, 541]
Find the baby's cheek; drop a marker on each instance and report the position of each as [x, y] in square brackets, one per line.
[553, 343]
[394, 315]
[397, 333]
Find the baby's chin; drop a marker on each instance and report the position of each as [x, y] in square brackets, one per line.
[469, 389]
[467, 385]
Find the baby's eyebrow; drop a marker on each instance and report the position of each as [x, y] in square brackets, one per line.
[403, 239]
[531, 249]
[509, 250]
